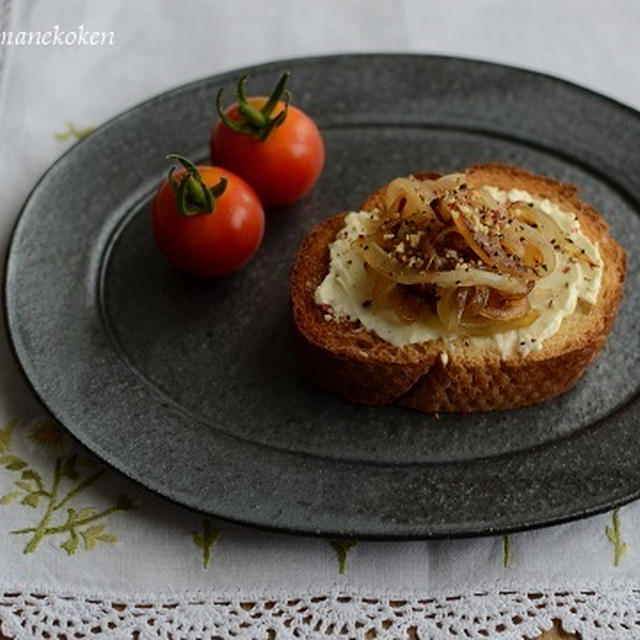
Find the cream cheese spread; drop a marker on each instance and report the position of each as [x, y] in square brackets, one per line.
[347, 288]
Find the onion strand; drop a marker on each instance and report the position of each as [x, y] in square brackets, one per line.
[458, 252]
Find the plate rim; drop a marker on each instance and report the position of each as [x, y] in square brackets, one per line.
[481, 530]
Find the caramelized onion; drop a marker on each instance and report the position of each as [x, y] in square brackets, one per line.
[479, 277]
[375, 256]
[409, 190]
[453, 315]
[381, 287]
[419, 194]
[512, 310]
[444, 185]
[517, 250]
[408, 308]
[532, 238]
[536, 217]
[488, 201]
[490, 327]
[445, 233]
[549, 228]
[514, 244]
[488, 249]
[429, 225]
[450, 307]
[442, 211]
[478, 301]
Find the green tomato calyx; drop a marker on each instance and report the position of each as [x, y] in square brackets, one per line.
[193, 196]
[258, 123]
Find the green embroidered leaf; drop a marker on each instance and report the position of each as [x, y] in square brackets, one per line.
[96, 530]
[9, 497]
[5, 436]
[342, 548]
[198, 539]
[205, 540]
[87, 512]
[13, 463]
[90, 536]
[30, 474]
[32, 491]
[124, 503]
[69, 468]
[25, 486]
[614, 535]
[70, 545]
[31, 500]
[109, 538]
[73, 132]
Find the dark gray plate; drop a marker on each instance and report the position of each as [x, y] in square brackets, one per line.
[191, 387]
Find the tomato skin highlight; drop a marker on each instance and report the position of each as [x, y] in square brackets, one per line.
[283, 168]
[209, 244]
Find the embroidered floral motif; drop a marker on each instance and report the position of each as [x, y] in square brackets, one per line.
[506, 550]
[614, 535]
[46, 434]
[71, 476]
[205, 540]
[342, 548]
[72, 132]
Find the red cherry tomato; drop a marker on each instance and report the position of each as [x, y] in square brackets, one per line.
[206, 220]
[280, 156]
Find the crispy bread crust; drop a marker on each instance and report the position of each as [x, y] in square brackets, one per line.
[343, 357]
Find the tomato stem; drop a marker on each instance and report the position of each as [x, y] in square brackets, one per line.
[255, 117]
[278, 92]
[277, 121]
[192, 194]
[258, 123]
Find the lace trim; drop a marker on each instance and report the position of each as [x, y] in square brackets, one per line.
[503, 615]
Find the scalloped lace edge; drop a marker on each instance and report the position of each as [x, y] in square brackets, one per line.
[500, 614]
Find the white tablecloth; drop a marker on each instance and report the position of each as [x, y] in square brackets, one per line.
[76, 538]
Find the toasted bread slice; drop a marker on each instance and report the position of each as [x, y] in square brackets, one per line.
[342, 356]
